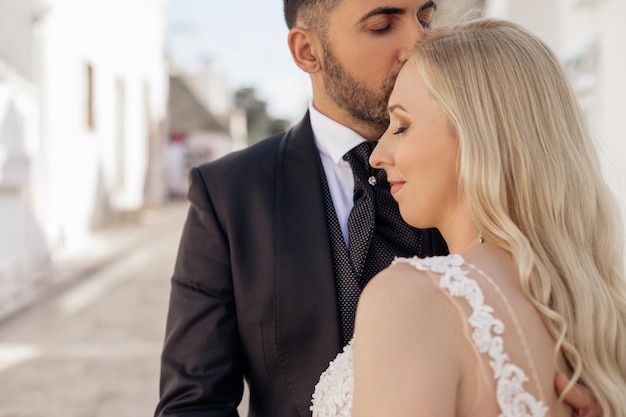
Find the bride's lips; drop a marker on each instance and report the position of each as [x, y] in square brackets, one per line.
[396, 186]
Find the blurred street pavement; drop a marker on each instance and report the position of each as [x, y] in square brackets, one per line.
[91, 346]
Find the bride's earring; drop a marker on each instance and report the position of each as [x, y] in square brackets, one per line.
[481, 239]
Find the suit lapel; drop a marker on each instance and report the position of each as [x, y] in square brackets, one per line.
[307, 324]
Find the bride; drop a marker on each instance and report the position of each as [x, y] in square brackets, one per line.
[487, 143]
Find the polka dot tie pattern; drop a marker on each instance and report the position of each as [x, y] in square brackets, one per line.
[362, 216]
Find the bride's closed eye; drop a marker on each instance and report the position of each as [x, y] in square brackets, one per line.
[400, 130]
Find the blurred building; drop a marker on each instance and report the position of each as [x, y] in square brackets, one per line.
[196, 134]
[83, 95]
[588, 36]
[24, 255]
[206, 120]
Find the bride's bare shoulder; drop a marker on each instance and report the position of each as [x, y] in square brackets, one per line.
[405, 299]
[402, 352]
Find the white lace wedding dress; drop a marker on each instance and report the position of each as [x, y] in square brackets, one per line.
[334, 391]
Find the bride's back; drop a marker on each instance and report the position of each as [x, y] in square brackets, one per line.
[447, 336]
[526, 346]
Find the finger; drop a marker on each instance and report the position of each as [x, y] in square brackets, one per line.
[578, 397]
[560, 382]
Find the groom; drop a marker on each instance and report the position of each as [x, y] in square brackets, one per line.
[271, 261]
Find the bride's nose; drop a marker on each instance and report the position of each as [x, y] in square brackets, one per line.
[380, 157]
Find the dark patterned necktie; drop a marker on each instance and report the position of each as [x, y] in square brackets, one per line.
[376, 231]
[363, 214]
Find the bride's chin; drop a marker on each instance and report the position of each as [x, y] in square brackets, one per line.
[412, 219]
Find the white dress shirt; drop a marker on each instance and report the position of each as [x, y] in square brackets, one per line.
[333, 140]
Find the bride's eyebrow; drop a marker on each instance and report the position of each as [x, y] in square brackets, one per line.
[396, 106]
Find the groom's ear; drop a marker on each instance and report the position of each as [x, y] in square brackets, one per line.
[305, 49]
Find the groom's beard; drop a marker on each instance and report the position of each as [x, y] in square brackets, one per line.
[361, 102]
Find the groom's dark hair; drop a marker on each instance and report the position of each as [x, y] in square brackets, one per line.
[310, 13]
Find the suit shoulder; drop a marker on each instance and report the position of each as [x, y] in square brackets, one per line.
[260, 153]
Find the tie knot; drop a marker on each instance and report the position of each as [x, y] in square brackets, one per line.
[359, 156]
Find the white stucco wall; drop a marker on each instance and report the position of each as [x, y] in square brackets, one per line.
[59, 178]
[123, 42]
[612, 94]
[24, 255]
[588, 35]
[16, 35]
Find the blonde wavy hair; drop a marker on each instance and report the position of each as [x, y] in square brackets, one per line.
[531, 176]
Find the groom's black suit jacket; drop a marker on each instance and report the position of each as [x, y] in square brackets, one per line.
[253, 292]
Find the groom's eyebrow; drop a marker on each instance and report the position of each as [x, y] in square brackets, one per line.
[382, 10]
[395, 10]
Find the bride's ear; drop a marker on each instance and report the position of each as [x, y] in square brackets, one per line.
[305, 48]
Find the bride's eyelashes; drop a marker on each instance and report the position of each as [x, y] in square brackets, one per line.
[400, 130]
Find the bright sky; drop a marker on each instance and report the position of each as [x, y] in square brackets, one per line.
[247, 41]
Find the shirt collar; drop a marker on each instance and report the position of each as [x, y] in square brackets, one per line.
[332, 138]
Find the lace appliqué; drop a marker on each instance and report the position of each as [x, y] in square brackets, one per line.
[334, 391]
[512, 399]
